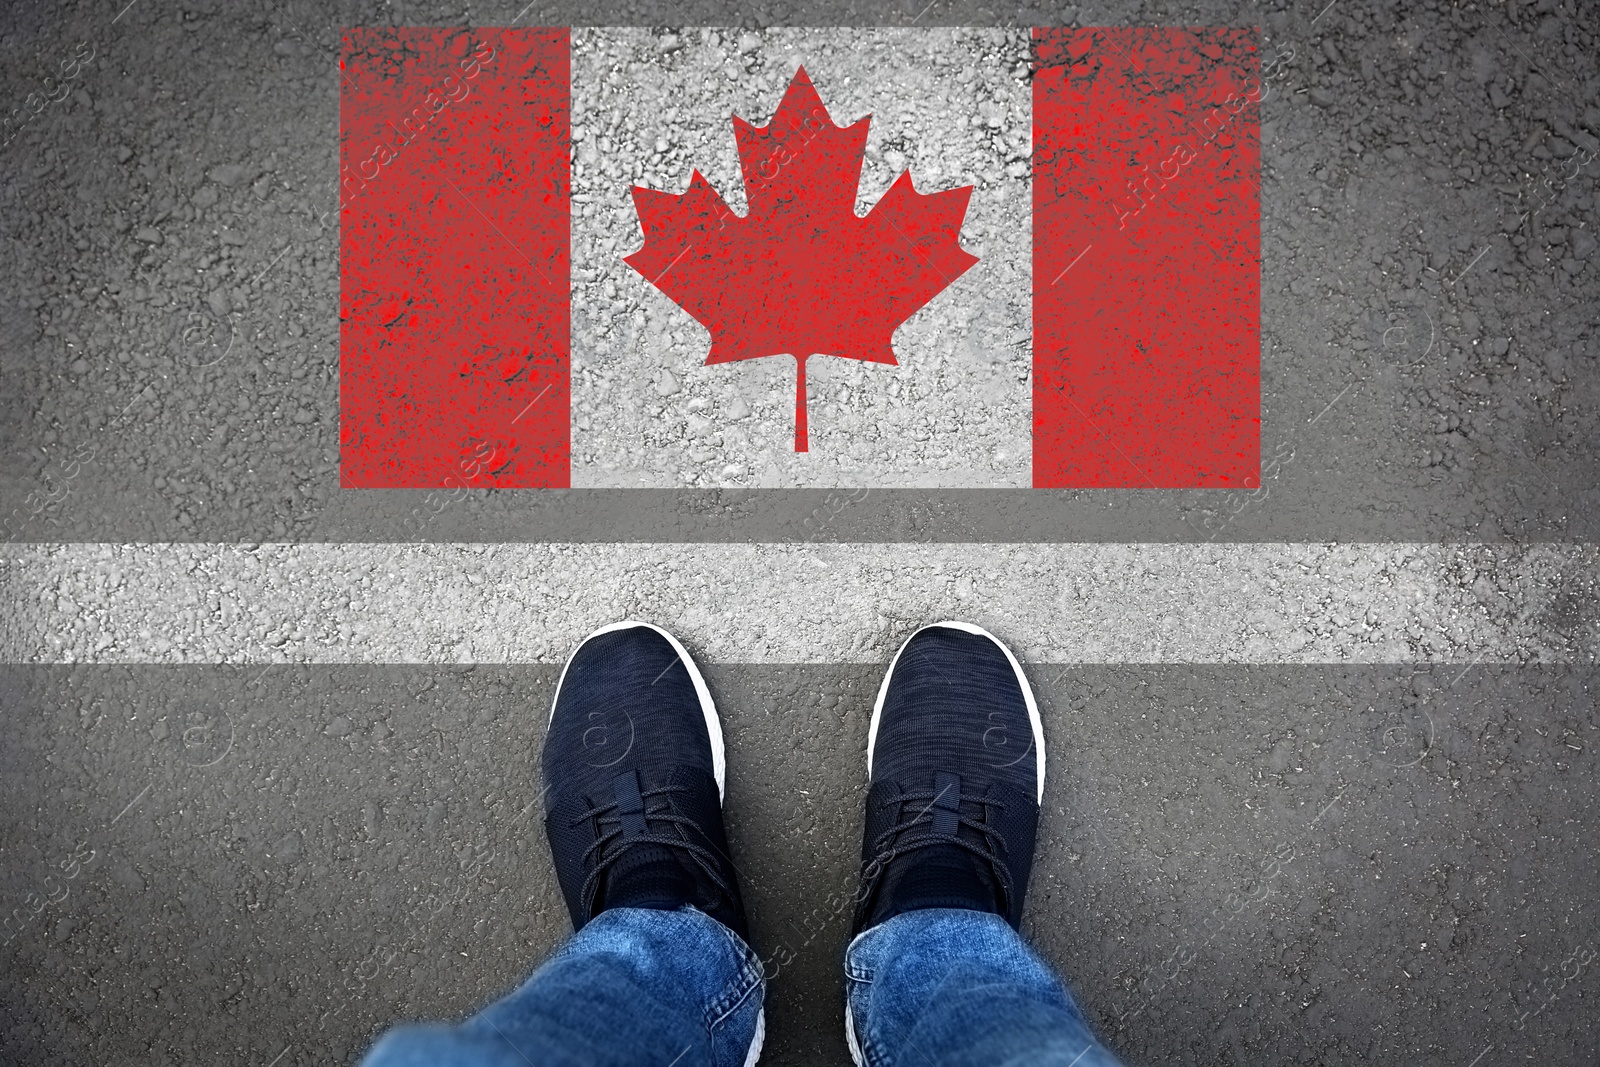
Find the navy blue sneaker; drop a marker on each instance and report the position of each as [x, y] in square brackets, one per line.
[955, 763]
[633, 771]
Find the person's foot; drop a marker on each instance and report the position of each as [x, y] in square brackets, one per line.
[955, 762]
[633, 772]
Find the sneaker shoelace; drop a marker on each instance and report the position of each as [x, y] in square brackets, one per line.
[915, 833]
[607, 815]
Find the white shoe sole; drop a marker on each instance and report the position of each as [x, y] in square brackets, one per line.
[1016, 668]
[707, 707]
[760, 1038]
[850, 1034]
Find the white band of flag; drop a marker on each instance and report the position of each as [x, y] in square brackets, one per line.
[793, 603]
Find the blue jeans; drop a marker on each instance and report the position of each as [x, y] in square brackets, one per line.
[660, 988]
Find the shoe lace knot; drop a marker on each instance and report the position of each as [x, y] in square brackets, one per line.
[932, 818]
[640, 817]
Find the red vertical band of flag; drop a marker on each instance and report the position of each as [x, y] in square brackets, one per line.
[454, 258]
[1146, 258]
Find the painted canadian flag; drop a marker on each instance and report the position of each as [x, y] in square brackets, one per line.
[611, 257]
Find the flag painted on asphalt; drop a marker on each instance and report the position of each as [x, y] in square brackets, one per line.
[1147, 251]
[453, 258]
[609, 257]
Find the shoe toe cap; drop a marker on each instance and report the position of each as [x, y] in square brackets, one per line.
[955, 701]
[627, 698]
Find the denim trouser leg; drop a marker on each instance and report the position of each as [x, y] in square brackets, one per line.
[633, 987]
[949, 988]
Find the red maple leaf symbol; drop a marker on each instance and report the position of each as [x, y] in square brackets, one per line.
[802, 273]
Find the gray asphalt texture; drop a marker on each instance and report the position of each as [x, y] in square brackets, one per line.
[804, 603]
[1263, 864]
[1269, 864]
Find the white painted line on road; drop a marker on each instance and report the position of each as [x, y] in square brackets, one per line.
[793, 603]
